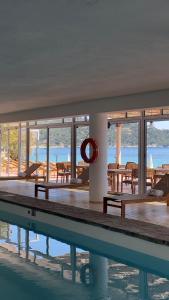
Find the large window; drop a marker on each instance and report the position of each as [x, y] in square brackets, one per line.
[59, 149]
[9, 150]
[38, 149]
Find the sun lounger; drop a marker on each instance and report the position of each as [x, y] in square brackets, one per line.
[26, 175]
[121, 200]
[45, 187]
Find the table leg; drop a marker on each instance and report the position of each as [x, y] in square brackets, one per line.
[67, 178]
[117, 182]
[113, 182]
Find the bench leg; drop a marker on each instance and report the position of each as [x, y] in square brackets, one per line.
[46, 194]
[36, 191]
[123, 211]
[104, 206]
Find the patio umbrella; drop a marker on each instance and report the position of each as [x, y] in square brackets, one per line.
[150, 162]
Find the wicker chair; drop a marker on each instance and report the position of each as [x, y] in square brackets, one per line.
[165, 166]
[113, 166]
[135, 181]
[127, 179]
[62, 172]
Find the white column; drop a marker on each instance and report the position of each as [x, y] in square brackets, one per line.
[99, 267]
[118, 143]
[98, 169]
[142, 157]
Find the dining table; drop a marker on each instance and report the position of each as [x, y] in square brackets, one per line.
[115, 175]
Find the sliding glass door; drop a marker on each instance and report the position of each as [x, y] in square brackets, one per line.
[82, 133]
[38, 149]
[157, 158]
[59, 149]
[123, 154]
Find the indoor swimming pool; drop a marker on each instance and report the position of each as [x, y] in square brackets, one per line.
[39, 261]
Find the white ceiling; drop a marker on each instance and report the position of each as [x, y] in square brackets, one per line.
[62, 51]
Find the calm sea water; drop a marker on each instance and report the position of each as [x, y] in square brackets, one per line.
[155, 155]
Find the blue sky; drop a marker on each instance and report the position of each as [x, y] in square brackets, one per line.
[161, 124]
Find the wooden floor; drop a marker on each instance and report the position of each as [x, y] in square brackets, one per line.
[157, 213]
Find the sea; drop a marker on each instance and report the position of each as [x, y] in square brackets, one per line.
[156, 156]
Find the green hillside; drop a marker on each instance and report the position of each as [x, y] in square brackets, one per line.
[155, 137]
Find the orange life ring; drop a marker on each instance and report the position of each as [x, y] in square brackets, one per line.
[94, 146]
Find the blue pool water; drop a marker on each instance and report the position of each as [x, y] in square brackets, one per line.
[159, 155]
[38, 261]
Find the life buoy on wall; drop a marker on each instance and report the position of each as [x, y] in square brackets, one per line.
[94, 146]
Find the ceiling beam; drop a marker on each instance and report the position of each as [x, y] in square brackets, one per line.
[144, 100]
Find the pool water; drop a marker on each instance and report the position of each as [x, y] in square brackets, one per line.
[37, 265]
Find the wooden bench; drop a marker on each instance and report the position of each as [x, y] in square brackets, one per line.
[120, 201]
[28, 178]
[45, 187]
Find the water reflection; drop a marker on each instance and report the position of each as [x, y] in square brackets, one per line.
[98, 276]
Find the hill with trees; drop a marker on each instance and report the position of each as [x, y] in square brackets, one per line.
[129, 137]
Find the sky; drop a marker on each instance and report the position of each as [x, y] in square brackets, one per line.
[161, 124]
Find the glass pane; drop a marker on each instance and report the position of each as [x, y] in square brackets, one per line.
[23, 150]
[59, 150]
[157, 148]
[80, 118]
[9, 150]
[82, 133]
[4, 151]
[23, 124]
[166, 111]
[117, 115]
[123, 155]
[31, 123]
[16, 124]
[50, 121]
[66, 120]
[152, 112]
[38, 149]
[13, 151]
[131, 114]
